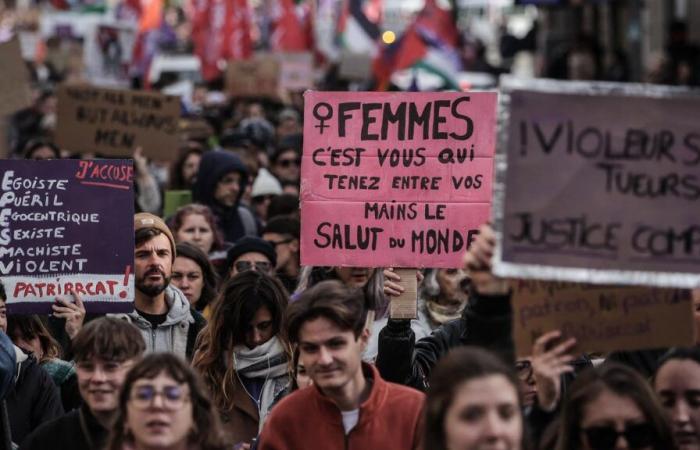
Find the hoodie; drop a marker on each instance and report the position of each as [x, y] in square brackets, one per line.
[235, 221]
[179, 331]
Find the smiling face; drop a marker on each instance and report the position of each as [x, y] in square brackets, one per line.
[484, 415]
[678, 385]
[100, 381]
[196, 230]
[159, 413]
[332, 356]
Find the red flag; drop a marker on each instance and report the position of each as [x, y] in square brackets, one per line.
[220, 31]
[287, 32]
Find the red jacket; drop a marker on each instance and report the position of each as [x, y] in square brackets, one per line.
[390, 419]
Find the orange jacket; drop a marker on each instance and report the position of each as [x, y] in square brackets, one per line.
[390, 419]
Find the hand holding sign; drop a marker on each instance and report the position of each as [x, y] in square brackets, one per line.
[73, 312]
[392, 282]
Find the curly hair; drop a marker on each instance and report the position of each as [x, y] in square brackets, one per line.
[239, 300]
[177, 181]
[206, 432]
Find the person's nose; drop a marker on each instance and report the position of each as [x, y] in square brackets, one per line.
[324, 356]
[184, 282]
[257, 337]
[680, 413]
[493, 425]
[99, 375]
[158, 401]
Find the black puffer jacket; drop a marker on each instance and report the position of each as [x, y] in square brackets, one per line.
[486, 322]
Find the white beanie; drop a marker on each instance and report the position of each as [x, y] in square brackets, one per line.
[265, 184]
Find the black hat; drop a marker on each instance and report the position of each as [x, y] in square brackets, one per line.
[248, 244]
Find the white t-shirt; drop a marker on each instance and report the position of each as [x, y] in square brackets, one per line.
[350, 419]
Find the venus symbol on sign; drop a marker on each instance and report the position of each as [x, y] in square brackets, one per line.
[322, 118]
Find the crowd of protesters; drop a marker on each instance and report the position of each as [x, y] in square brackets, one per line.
[232, 344]
[241, 348]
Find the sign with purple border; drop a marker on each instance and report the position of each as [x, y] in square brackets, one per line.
[67, 226]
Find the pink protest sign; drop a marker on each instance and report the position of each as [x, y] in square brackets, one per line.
[395, 179]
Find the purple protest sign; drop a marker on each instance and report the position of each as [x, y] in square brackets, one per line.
[67, 226]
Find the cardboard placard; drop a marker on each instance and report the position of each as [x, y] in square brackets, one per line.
[258, 76]
[114, 122]
[15, 93]
[405, 306]
[601, 318]
[598, 182]
[395, 180]
[296, 71]
[67, 225]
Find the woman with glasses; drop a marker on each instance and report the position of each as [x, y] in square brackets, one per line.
[473, 403]
[677, 383]
[243, 355]
[163, 405]
[609, 408]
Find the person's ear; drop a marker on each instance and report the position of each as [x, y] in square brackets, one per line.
[364, 338]
[294, 246]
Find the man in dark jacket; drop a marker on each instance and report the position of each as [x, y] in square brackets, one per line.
[105, 350]
[220, 184]
[486, 322]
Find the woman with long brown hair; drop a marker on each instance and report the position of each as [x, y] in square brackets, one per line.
[242, 353]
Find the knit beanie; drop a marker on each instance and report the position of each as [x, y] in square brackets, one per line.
[250, 244]
[265, 184]
[148, 220]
